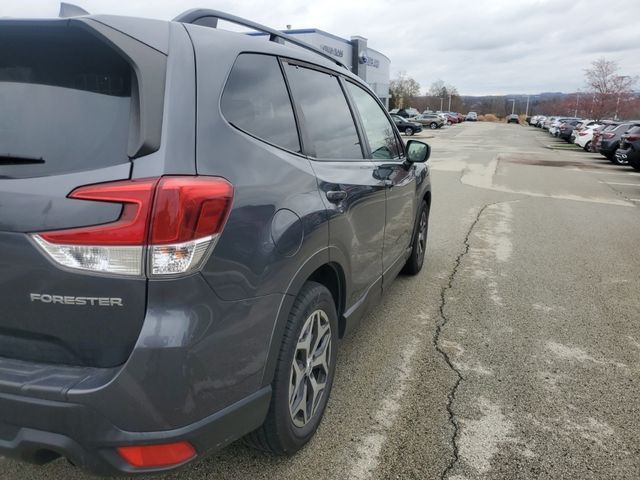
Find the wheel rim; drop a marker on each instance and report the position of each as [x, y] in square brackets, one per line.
[408, 131]
[310, 368]
[422, 235]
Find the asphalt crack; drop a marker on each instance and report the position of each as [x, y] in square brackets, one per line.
[444, 320]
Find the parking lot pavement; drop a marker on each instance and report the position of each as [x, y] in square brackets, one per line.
[514, 354]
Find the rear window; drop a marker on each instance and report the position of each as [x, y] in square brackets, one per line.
[634, 130]
[65, 100]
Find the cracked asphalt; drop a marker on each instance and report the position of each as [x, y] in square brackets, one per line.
[514, 354]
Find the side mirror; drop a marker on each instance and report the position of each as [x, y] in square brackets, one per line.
[418, 152]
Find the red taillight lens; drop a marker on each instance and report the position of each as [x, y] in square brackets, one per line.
[130, 229]
[188, 208]
[156, 456]
[632, 138]
[177, 219]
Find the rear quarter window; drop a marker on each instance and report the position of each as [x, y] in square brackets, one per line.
[255, 100]
[328, 122]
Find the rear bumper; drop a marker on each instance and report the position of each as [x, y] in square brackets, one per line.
[38, 431]
[197, 373]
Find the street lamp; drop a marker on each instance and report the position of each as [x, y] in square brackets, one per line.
[526, 113]
[513, 106]
[441, 100]
[449, 102]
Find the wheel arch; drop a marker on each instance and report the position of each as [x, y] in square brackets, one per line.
[319, 268]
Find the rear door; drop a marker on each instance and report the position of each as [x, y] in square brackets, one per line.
[386, 151]
[353, 192]
[67, 111]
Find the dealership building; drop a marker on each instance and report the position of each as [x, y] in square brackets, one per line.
[369, 64]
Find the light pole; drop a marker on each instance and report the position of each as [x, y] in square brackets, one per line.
[513, 106]
[526, 113]
[449, 102]
[577, 103]
[441, 100]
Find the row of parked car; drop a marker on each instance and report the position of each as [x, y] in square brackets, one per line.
[619, 141]
[410, 121]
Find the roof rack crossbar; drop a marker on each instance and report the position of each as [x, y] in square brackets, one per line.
[209, 18]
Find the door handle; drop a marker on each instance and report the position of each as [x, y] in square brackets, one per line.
[336, 196]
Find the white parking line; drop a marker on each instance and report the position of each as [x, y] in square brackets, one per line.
[616, 183]
[635, 199]
[613, 173]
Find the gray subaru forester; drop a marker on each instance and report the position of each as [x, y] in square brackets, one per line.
[190, 220]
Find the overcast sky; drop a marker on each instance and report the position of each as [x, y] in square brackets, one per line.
[479, 46]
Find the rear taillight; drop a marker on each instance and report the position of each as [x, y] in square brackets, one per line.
[608, 135]
[632, 138]
[582, 134]
[172, 221]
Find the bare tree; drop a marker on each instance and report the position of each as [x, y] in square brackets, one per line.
[608, 89]
[403, 89]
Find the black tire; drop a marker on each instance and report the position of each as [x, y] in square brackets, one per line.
[587, 146]
[419, 246]
[433, 125]
[278, 434]
[408, 131]
[635, 162]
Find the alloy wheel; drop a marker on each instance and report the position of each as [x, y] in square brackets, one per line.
[310, 368]
[422, 235]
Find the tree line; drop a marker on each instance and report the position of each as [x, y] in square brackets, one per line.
[607, 94]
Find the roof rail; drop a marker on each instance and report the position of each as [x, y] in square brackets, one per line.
[209, 18]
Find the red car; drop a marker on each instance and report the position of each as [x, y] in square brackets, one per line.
[451, 118]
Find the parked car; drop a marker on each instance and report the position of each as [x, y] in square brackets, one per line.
[408, 127]
[598, 134]
[174, 281]
[461, 117]
[629, 150]
[513, 118]
[405, 112]
[609, 142]
[566, 128]
[472, 117]
[451, 118]
[547, 122]
[431, 120]
[554, 129]
[584, 136]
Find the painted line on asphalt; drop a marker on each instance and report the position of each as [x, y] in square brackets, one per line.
[611, 173]
[618, 183]
[635, 199]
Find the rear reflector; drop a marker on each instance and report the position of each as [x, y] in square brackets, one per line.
[177, 220]
[155, 456]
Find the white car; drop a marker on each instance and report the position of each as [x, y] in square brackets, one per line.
[584, 136]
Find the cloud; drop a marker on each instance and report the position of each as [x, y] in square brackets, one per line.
[481, 47]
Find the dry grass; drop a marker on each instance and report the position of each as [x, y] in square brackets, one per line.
[489, 117]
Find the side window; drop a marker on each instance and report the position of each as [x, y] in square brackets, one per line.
[255, 100]
[380, 133]
[328, 122]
